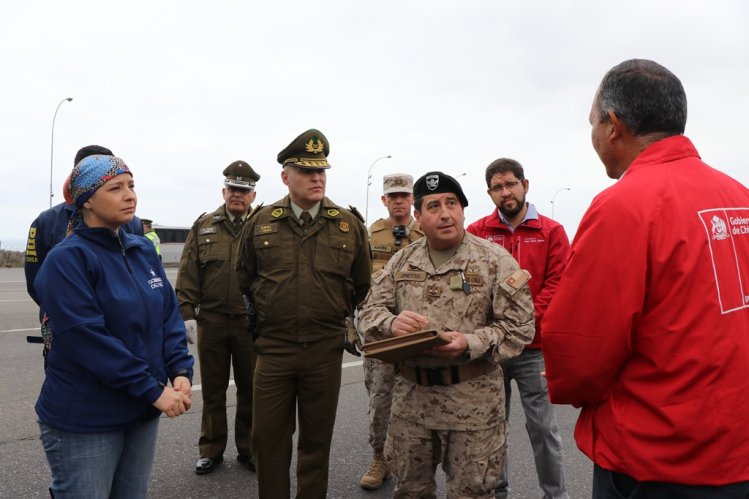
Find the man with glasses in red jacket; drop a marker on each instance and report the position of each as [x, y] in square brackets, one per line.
[540, 246]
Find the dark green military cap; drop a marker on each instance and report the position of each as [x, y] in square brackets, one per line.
[240, 174]
[308, 150]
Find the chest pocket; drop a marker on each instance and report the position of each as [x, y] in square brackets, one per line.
[271, 253]
[335, 254]
[209, 248]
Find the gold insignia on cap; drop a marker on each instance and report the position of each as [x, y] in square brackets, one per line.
[332, 212]
[314, 145]
[343, 226]
[276, 213]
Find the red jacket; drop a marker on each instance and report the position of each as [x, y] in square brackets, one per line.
[649, 328]
[540, 246]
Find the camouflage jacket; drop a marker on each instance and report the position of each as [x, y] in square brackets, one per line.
[382, 241]
[496, 316]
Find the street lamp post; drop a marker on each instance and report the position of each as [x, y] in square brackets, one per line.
[555, 197]
[52, 150]
[369, 182]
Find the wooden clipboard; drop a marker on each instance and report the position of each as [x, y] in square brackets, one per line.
[399, 348]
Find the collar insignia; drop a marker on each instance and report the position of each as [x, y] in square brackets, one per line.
[277, 212]
[332, 212]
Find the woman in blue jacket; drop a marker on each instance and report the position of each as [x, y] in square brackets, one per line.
[118, 341]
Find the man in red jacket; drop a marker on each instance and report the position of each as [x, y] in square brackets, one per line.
[540, 246]
[649, 329]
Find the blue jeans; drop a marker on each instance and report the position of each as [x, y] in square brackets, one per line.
[540, 423]
[611, 485]
[100, 465]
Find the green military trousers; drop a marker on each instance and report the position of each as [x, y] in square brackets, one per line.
[224, 342]
[303, 377]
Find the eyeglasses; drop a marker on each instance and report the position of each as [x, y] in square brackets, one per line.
[497, 188]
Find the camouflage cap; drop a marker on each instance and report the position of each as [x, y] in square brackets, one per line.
[438, 183]
[308, 150]
[240, 174]
[397, 182]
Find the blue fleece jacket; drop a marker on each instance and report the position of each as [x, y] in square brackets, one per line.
[48, 229]
[118, 336]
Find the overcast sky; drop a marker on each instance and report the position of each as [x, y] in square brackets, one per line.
[180, 89]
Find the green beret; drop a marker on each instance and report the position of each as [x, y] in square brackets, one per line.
[439, 183]
[240, 174]
[308, 150]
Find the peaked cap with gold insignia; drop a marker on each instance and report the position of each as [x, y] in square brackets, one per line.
[308, 150]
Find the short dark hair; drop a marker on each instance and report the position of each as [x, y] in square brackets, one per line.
[417, 204]
[504, 165]
[85, 152]
[646, 96]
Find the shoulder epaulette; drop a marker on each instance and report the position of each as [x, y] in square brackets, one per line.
[254, 212]
[356, 212]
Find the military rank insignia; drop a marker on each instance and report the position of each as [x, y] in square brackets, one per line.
[343, 226]
[276, 213]
[332, 212]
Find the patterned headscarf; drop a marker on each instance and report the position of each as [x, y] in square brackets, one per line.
[87, 176]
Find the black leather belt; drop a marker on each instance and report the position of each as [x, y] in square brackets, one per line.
[444, 376]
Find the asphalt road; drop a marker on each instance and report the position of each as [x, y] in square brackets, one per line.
[23, 467]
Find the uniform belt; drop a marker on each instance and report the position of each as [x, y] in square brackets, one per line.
[444, 376]
[211, 314]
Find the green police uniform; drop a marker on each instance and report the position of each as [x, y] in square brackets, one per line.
[304, 282]
[208, 290]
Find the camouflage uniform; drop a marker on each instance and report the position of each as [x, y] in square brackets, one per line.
[378, 375]
[464, 418]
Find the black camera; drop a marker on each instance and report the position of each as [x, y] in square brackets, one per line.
[399, 231]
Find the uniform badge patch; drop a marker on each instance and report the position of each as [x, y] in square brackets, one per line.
[343, 226]
[411, 275]
[276, 213]
[518, 278]
[474, 278]
[332, 212]
[217, 217]
[207, 230]
[266, 229]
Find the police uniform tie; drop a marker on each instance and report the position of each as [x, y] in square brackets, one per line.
[306, 219]
[237, 224]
